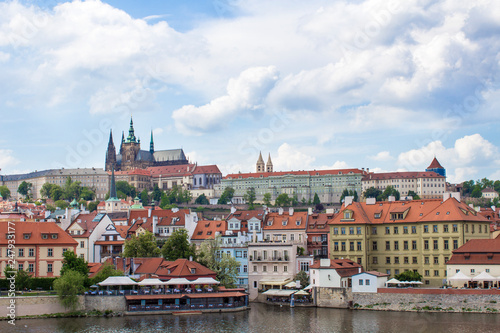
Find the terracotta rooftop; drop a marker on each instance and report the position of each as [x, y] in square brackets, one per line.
[295, 173]
[207, 229]
[275, 221]
[34, 233]
[435, 164]
[401, 175]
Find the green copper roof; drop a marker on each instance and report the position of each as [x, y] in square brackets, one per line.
[131, 136]
[74, 203]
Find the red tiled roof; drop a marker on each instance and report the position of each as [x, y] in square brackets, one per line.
[35, 231]
[401, 175]
[203, 169]
[171, 170]
[285, 221]
[295, 173]
[435, 164]
[206, 229]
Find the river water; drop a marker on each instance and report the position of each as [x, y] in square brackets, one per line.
[268, 318]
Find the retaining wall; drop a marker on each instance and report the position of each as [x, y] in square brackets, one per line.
[36, 305]
[103, 303]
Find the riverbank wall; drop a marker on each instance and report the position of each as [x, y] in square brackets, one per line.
[37, 305]
[437, 300]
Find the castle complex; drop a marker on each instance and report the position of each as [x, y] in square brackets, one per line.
[132, 157]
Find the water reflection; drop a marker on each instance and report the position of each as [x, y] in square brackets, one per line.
[266, 318]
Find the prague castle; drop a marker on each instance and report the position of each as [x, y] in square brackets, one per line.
[132, 157]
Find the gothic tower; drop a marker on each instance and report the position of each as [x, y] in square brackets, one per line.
[269, 164]
[110, 153]
[260, 166]
[130, 148]
[151, 144]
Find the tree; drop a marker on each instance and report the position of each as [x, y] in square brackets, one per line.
[319, 208]
[143, 245]
[24, 188]
[413, 195]
[267, 199]
[61, 204]
[467, 187]
[177, 246]
[224, 265]
[126, 188]
[496, 186]
[345, 193]
[4, 192]
[93, 205]
[73, 263]
[372, 192]
[68, 287]
[295, 200]
[282, 200]
[23, 280]
[316, 200]
[157, 193]
[476, 192]
[409, 276]
[45, 190]
[145, 197]
[303, 278]
[226, 196]
[389, 191]
[202, 200]
[56, 193]
[106, 271]
[72, 189]
[250, 197]
[186, 196]
[87, 194]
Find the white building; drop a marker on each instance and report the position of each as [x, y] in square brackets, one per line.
[368, 282]
[333, 273]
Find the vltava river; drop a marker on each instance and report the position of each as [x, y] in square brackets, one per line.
[266, 318]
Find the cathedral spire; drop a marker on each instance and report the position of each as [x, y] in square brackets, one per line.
[112, 188]
[110, 153]
[260, 166]
[269, 164]
[151, 144]
[131, 136]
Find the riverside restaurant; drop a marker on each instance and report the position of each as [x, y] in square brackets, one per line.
[177, 294]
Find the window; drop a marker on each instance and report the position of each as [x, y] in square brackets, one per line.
[49, 268]
[487, 270]
[244, 254]
[238, 254]
[374, 246]
[436, 260]
[358, 230]
[414, 260]
[26, 236]
[406, 261]
[45, 236]
[388, 271]
[396, 271]
[50, 252]
[435, 246]
[21, 253]
[31, 268]
[455, 244]
[426, 228]
[275, 268]
[351, 230]
[405, 230]
[54, 236]
[31, 252]
[342, 231]
[387, 245]
[82, 244]
[435, 228]
[245, 269]
[285, 268]
[335, 246]
[304, 266]
[427, 272]
[351, 246]
[360, 282]
[20, 267]
[387, 260]
[396, 230]
[335, 231]
[445, 228]
[359, 246]
[405, 245]
[264, 268]
[374, 230]
[342, 245]
[436, 272]
[387, 230]
[255, 284]
[367, 282]
[375, 260]
[396, 260]
[413, 229]
[446, 245]
[455, 228]
[446, 259]
[255, 268]
[472, 270]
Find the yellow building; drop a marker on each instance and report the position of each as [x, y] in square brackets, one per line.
[396, 236]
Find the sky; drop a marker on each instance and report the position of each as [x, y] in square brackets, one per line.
[316, 84]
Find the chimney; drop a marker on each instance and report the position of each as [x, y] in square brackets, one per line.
[456, 195]
[155, 223]
[290, 211]
[309, 211]
[330, 211]
[348, 200]
[280, 211]
[446, 196]
[233, 210]
[149, 212]
[371, 201]
[391, 198]
[324, 262]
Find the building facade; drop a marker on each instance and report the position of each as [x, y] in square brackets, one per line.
[395, 236]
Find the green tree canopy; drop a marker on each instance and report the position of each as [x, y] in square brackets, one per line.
[226, 196]
[476, 192]
[142, 246]
[413, 195]
[224, 265]
[250, 197]
[303, 278]
[389, 191]
[177, 246]
[24, 188]
[45, 190]
[409, 276]
[316, 200]
[145, 197]
[73, 263]
[282, 200]
[93, 205]
[267, 199]
[127, 189]
[61, 204]
[157, 193]
[86, 194]
[4, 192]
[56, 192]
[68, 287]
[372, 192]
[106, 271]
[202, 200]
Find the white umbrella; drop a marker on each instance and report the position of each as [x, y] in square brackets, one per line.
[393, 281]
[117, 281]
[416, 282]
[484, 276]
[459, 277]
[205, 280]
[151, 282]
[176, 281]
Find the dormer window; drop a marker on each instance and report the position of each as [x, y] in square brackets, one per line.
[348, 214]
[26, 236]
[54, 236]
[193, 270]
[284, 222]
[45, 236]
[297, 222]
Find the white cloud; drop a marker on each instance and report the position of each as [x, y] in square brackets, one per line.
[336, 165]
[7, 160]
[382, 156]
[473, 147]
[244, 94]
[291, 158]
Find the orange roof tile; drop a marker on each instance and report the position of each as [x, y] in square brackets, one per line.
[207, 229]
[295, 173]
[275, 221]
[34, 232]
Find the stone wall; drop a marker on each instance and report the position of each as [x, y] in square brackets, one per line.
[432, 300]
[36, 305]
[332, 297]
[103, 303]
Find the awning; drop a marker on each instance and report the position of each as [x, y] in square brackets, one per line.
[117, 281]
[205, 280]
[459, 277]
[278, 292]
[302, 293]
[292, 284]
[484, 277]
[275, 282]
[151, 282]
[309, 287]
[177, 281]
[393, 281]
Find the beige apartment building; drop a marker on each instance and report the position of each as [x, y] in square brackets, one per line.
[395, 236]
